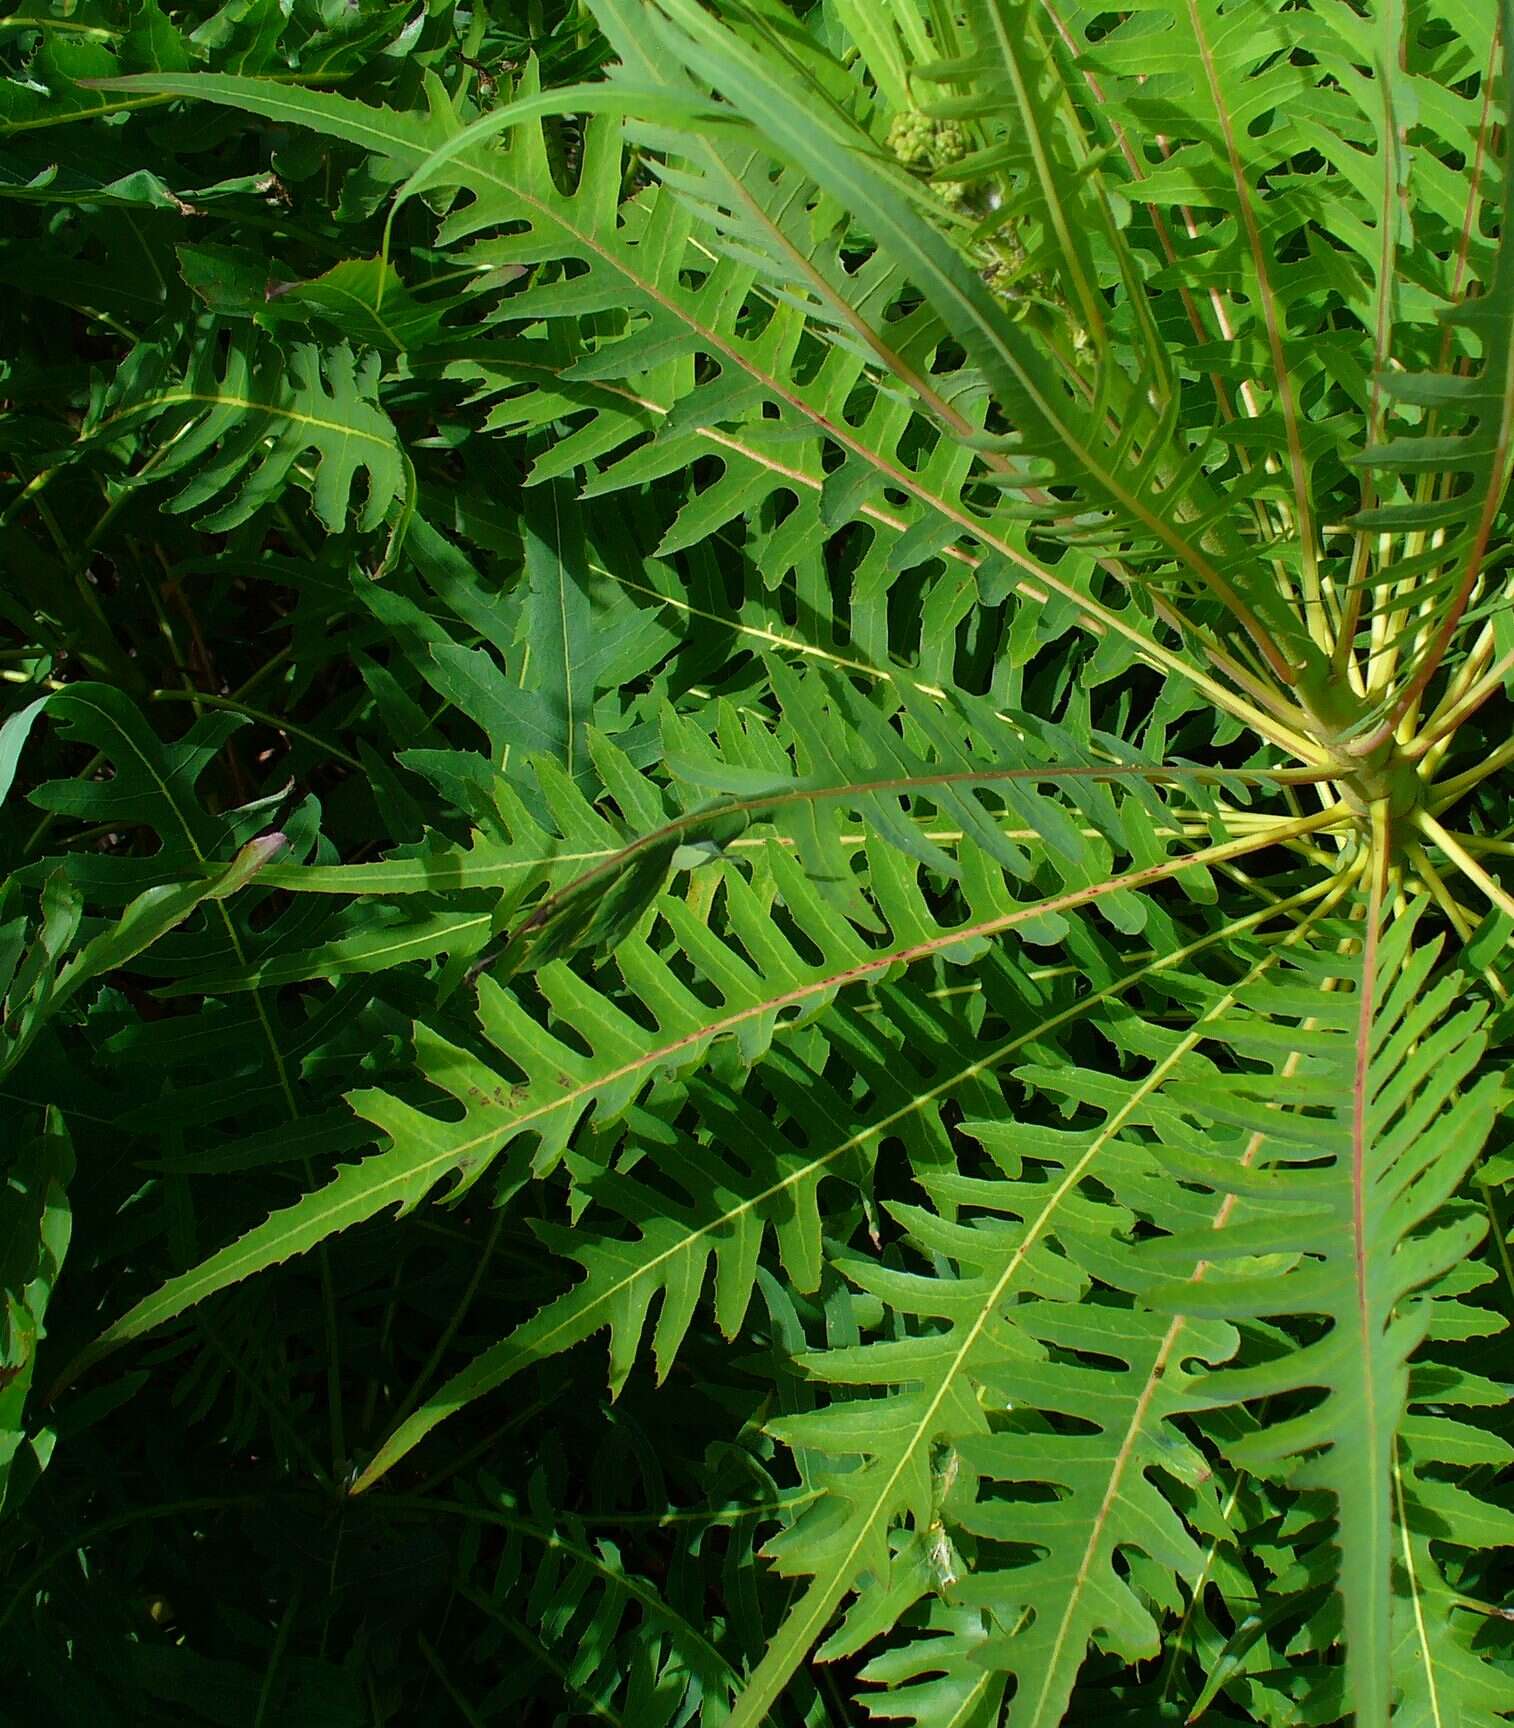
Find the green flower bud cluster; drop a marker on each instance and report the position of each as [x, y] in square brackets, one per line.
[911, 137]
[950, 143]
[920, 142]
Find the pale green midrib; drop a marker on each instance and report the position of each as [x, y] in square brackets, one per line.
[273, 410]
[1088, 609]
[295, 968]
[251, 1253]
[519, 1346]
[787, 1649]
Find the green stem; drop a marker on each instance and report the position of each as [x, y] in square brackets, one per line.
[1463, 860]
[277, 722]
[458, 1315]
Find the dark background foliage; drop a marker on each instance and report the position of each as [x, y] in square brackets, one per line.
[274, 568]
[190, 1555]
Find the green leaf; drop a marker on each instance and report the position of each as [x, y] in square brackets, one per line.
[145, 920]
[245, 415]
[35, 1227]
